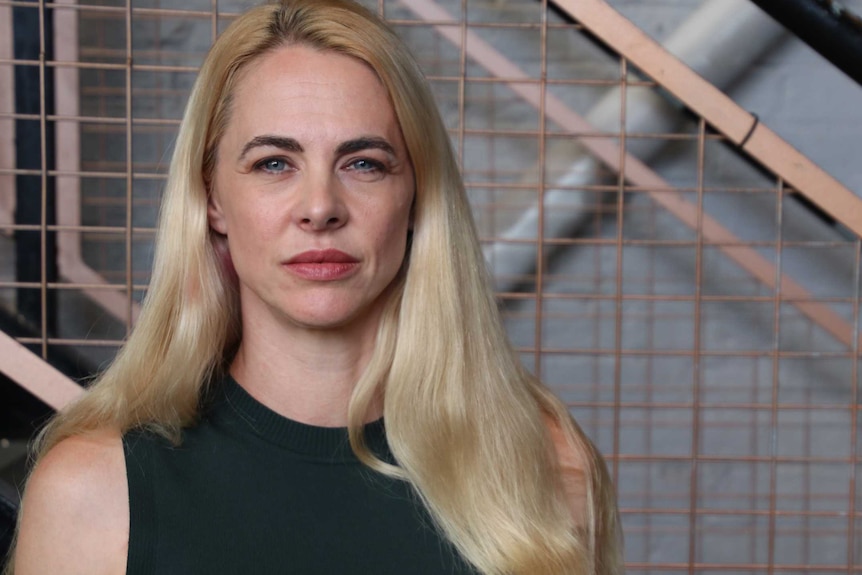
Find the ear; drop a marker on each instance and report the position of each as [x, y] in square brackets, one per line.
[215, 214]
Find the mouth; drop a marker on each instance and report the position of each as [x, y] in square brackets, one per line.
[322, 265]
[330, 256]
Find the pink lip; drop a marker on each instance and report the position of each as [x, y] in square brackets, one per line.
[322, 265]
[322, 257]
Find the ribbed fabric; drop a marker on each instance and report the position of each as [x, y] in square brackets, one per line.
[251, 492]
[326, 443]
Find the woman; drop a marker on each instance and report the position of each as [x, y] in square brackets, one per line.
[317, 271]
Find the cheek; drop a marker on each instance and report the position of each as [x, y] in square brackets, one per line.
[252, 225]
[250, 243]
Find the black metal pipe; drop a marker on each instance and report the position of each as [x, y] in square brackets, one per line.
[825, 25]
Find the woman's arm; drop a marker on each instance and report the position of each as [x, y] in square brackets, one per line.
[75, 512]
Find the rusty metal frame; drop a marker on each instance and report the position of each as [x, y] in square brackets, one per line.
[71, 264]
[7, 124]
[41, 380]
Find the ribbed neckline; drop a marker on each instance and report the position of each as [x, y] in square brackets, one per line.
[234, 403]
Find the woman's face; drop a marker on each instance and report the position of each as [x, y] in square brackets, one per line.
[313, 188]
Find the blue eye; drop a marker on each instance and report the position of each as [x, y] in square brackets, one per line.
[365, 165]
[272, 165]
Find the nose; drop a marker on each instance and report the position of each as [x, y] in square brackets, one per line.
[321, 204]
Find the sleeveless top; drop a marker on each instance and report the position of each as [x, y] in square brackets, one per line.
[249, 491]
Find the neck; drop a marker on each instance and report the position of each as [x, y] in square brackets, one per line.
[304, 374]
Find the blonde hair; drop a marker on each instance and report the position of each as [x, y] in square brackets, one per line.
[470, 428]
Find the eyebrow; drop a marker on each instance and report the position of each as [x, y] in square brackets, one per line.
[291, 145]
[365, 143]
[281, 142]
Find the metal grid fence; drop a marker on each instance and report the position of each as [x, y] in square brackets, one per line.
[726, 406]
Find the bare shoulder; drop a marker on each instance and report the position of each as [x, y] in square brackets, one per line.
[75, 512]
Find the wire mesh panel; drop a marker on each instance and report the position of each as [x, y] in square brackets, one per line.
[703, 330]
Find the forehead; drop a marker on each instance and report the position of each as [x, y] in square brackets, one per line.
[301, 91]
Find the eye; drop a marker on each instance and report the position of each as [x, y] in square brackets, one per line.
[365, 165]
[272, 165]
[366, 169]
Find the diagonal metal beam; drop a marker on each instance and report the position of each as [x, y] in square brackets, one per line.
[719, 110]
[35, 374]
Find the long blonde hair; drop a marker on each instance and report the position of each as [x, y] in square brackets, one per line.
[470, 428]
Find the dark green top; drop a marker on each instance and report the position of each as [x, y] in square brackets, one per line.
[251, 492]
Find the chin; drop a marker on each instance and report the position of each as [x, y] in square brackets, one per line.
[332, 317]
